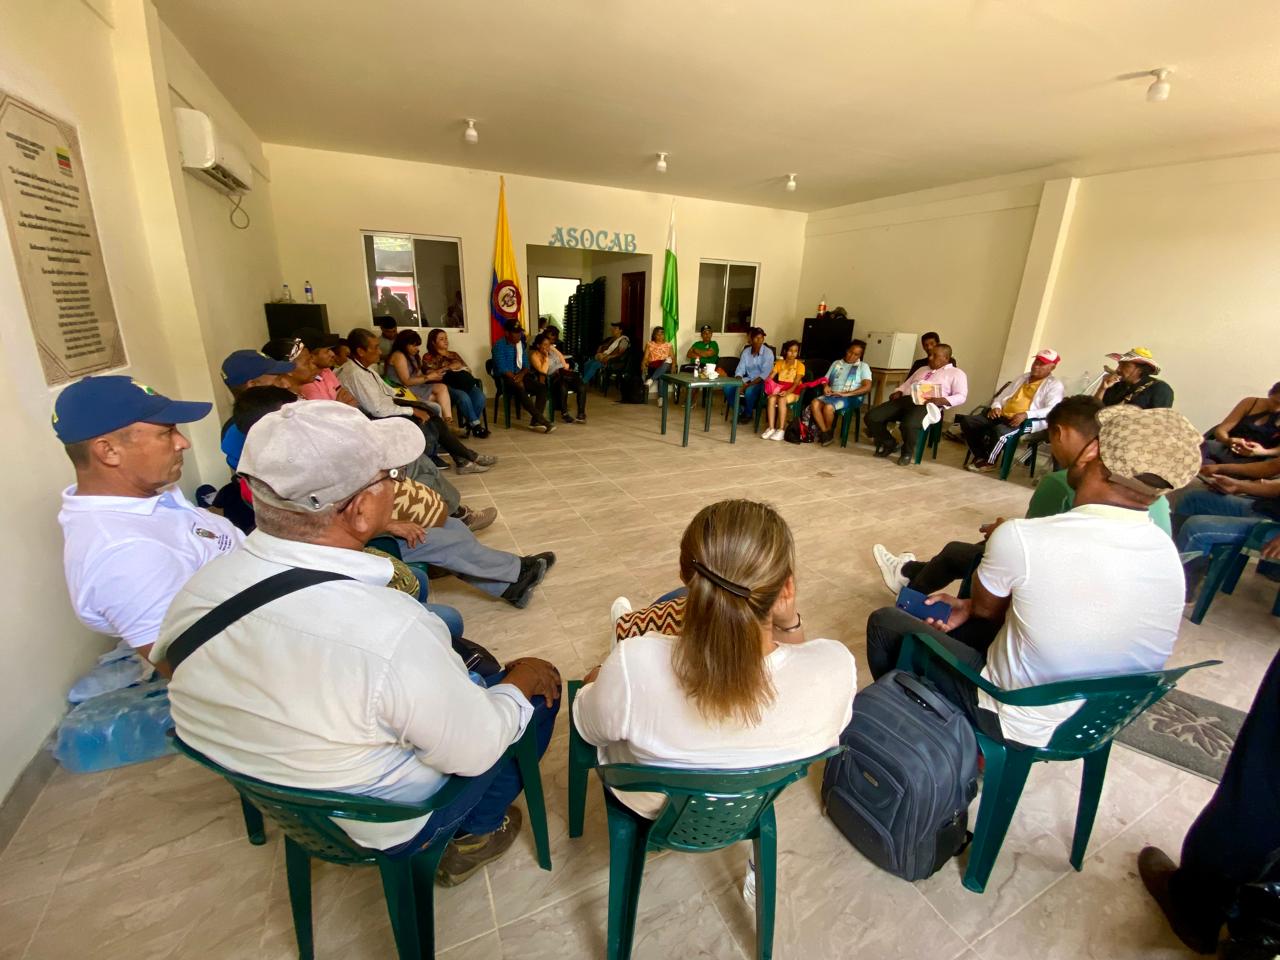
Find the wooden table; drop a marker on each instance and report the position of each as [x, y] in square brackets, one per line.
[880, 377]
[690, 384]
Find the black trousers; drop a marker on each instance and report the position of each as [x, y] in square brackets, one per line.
[981, 433]
[531, 394]
[953, 562]
[902, 409]
[1236, 838]
[562, 381]
[969, 642]
[437, 431]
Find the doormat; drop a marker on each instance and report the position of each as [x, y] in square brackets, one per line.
[1187, 731]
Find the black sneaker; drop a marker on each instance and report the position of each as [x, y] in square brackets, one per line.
[827, 437]
[532, 570]
[548, 558]
[581, 418]
[566, 418]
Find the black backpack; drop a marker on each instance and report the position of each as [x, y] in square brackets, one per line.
[802, 430]
[632, 390]
[901, 790]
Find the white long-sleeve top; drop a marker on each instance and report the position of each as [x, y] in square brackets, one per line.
[373, 394]
[346, 685]
[1047, 397]
[636, 712]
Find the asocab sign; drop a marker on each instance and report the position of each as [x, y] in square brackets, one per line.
[585, 238]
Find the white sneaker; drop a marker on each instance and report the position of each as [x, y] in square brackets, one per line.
[779, 435]
[891, 567]
[767, 435]
[620, 607]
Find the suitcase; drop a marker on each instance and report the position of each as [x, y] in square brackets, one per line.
[901, 790]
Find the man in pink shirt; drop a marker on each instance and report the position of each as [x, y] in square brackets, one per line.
[949, 388]
[325, 386]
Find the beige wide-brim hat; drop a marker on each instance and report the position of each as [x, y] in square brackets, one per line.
[1136, 355]
[1136, 445]
[315, 453]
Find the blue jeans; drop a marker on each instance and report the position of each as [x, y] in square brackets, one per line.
[749, 398]
[482, 805]
[451, 616]
[658, 371]
[468, 403]
[589, 369]
[1206, 502]
[1204, 531]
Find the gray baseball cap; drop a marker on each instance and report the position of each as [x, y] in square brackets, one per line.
[317, 453]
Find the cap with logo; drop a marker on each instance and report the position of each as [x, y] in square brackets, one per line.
[1136, 355]
[315, 340]
[283, 348]
[97, 405]
[1048, 356]
[245, 365]
[318, 453]
[1140, 446]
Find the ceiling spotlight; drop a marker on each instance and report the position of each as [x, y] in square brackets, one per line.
[471, 134]
[791, 183]
[1158, 92]
[661, 165]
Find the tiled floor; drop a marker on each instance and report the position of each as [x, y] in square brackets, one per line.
[150, 862]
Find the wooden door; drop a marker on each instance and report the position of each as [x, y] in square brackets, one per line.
[632, 311]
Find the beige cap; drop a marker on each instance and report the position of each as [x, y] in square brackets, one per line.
[316, 453]
[1134, 443]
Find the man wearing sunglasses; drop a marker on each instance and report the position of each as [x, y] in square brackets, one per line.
[345, 685]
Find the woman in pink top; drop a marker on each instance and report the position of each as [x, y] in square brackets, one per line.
[657, 355]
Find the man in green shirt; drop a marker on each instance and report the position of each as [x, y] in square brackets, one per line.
[1072, 426]
[705, 349]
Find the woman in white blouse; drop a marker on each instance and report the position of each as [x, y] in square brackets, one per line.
[741, 686]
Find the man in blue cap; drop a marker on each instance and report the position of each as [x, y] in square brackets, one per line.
[131, 538]
[240, 371]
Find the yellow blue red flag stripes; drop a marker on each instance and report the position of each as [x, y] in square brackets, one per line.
[506, 300]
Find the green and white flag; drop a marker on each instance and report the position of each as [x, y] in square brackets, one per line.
[671, 287]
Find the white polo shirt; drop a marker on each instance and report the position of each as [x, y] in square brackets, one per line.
[1096, 592]
[344, 686]
[127, 557]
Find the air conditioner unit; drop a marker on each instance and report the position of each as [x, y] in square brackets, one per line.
[208, 154]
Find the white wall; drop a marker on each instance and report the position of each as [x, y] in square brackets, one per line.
[1185, 260]
[323, 199]
[238, 269]
[936, 260]
[551, 262]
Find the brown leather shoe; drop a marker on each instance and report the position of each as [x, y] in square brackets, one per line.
[1155, 868]
[465, 855]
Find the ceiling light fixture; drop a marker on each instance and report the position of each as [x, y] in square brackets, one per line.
[791, 183]
[471, 134]
[661, 165]
[1158, 92]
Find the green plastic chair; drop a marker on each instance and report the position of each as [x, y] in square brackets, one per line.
[306, 817]
[1226, 563]
[1008, 455]
[1109, 704]
[931, 438]
[851, 415]
[705, 810]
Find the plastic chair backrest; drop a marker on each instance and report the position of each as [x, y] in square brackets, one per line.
[707, 809]
[729, 365]
[306, 816]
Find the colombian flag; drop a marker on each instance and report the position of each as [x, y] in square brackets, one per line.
[506, 302]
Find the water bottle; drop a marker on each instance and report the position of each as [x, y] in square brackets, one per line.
[111, 674]
[749, 884]
[114, 729]
[286, 296]
[308, 292]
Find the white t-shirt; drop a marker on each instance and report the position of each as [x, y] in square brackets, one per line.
[126, 558]
[1097, 591]
[636, 712]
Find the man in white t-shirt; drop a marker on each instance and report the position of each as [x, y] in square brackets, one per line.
[1093, 592]
[132, 539]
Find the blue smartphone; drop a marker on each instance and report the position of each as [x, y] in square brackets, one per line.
[915, 603]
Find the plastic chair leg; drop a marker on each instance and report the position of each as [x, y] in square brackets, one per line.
[627, 842]
[577, 796]
[765, 851]
[531, 778]
[297, 868]
[1220, 560]
[253, 825]
[1002, 786]
[402, 906]
[1095, 771]
[922, 440]
[1234, 572]
[1007, 455]
[846, 421]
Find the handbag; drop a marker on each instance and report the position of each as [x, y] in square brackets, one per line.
[458, 380]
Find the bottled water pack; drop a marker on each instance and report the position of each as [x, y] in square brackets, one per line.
[115, 729]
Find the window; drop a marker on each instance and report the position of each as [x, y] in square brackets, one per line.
[726, 295]
[417, 280]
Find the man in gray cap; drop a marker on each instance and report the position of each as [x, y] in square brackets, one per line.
[1095, 591]
[343, 684]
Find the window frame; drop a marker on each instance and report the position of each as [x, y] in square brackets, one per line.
[462, 273]
[724, 304]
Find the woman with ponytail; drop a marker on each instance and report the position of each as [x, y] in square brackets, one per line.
[740, 686]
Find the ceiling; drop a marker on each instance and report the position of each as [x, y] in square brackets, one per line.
[858, 98]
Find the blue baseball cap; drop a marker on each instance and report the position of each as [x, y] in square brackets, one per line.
[97, 405]
[244, 365]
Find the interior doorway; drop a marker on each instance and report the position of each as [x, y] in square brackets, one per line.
[632, 307]
[553, 297]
